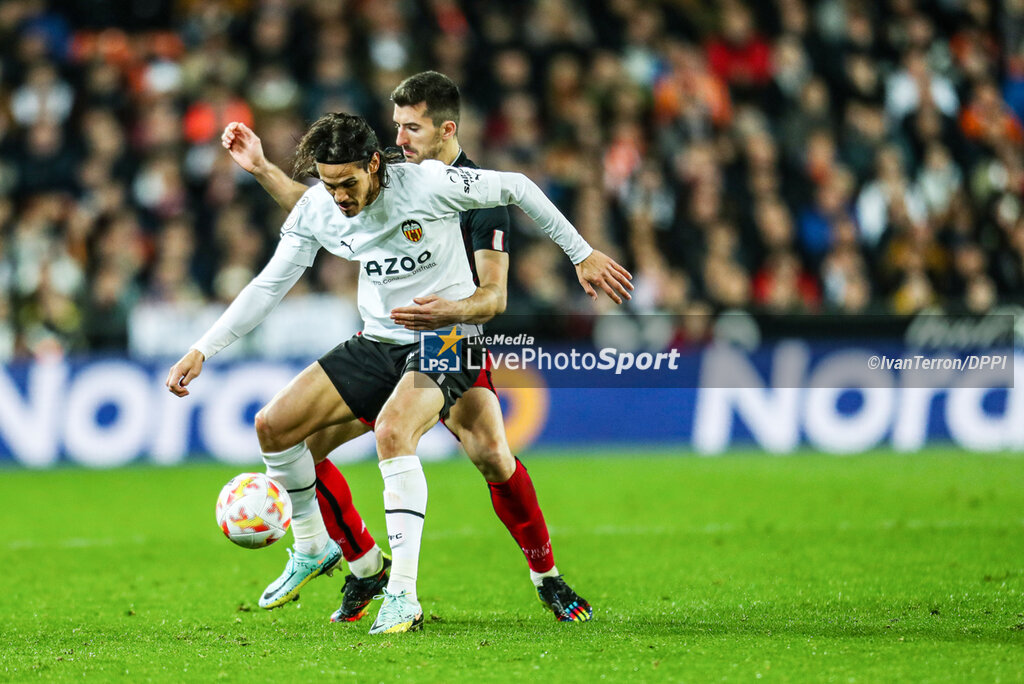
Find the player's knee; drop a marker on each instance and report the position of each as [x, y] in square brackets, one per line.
[262, 423]
[391, 439]
[265, 432]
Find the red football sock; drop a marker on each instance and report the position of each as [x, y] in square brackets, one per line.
[343, 521]
[515, 502]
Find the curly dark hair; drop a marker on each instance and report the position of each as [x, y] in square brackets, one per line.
[437, 90]
[339, 138]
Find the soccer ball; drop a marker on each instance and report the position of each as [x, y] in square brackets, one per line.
[253, 511]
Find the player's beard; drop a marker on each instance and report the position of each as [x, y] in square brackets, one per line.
[433, 149]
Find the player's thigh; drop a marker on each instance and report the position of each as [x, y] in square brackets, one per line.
[365, 373]
[307, 404]
[412, 409]
[476, 420]
[322, 442]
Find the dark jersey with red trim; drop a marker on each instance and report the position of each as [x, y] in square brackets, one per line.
[482, 228]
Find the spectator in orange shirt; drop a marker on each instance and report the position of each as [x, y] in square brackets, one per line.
[987, 119]
[207, 116]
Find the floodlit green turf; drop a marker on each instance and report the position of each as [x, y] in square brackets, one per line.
[803, 568]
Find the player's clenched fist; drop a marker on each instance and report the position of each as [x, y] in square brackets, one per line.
[183, 372]
[244, 146]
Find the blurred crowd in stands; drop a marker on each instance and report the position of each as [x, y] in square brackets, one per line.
[792, 156]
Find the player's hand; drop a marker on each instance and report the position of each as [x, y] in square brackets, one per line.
[184, 372]
[600, 270]
[428, 313]
[244, 146]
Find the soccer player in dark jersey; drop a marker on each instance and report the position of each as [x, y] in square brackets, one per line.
[426, 117]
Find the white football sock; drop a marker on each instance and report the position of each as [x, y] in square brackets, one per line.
[405, 505]
[538, 577]
[370, 563]
[295, 470]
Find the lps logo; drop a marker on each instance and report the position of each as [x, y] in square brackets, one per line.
[441, 353]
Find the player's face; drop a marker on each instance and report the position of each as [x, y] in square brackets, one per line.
[351, 185]
[416, 133]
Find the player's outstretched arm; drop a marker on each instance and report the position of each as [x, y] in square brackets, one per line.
[250, 307]
[433, 312]
[246, 148]
[594, 268]
[461, 189]
[601, 271]
[185, 371]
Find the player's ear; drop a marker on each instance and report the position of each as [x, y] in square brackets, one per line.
[374, 163]
[448, 130]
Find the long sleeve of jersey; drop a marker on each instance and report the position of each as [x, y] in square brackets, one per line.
[252, 305]
[463, 188]
[519, 190]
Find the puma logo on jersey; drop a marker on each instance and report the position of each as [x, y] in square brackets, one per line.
[395, 265]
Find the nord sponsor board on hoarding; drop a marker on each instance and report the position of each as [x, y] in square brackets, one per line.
[109, 412]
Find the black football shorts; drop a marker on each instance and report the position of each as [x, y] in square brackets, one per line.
[365, 373]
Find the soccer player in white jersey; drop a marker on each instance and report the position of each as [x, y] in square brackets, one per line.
[400, 222]
[426, 117]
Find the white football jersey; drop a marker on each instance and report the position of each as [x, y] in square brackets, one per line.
[408, 242]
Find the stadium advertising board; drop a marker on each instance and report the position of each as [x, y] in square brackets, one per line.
[113, 411]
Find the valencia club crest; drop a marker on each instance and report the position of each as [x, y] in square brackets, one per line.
[412, 230]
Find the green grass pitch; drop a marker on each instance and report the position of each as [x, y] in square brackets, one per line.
[880, 567]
